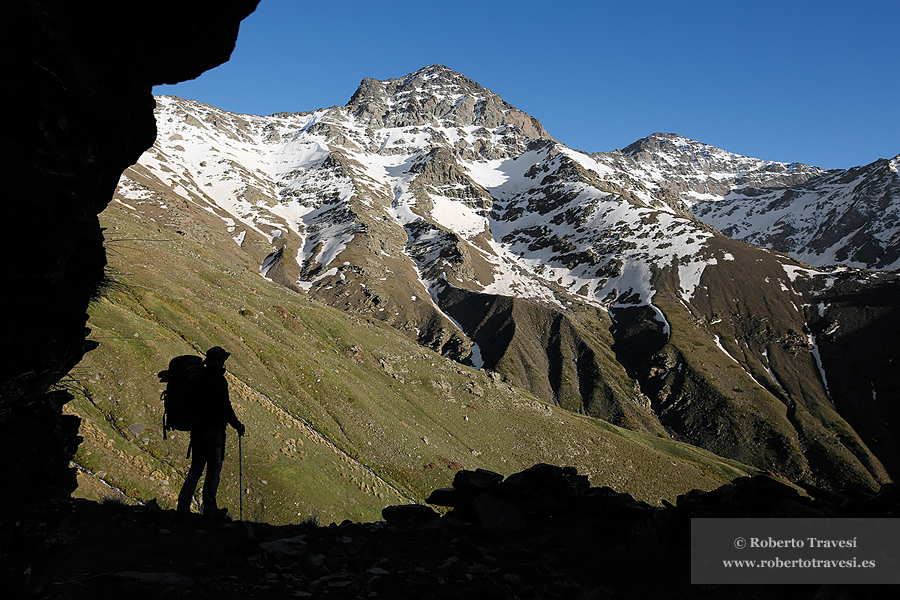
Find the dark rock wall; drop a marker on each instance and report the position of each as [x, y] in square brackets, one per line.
[78, 110]
[857, 331]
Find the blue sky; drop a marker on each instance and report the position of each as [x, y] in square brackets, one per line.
[812, 82]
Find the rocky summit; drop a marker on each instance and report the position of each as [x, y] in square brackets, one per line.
[603, 284]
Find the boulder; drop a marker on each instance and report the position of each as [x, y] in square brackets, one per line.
[495, 515]
[479, 479]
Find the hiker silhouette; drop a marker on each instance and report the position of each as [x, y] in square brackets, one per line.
[208, 434]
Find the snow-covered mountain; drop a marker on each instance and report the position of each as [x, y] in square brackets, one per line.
[431, 204]
[824, 218]
[699, 172]
[847, 217]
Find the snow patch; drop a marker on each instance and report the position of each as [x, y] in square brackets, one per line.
[767, 367]
[722, 348]
[818, 357]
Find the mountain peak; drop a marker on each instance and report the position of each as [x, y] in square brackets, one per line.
[437, 96]
[666, 143]
[436, 80]
[442, 75]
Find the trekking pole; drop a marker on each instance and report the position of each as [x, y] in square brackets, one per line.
[240, 478]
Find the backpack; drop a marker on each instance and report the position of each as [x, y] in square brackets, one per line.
[184, 396]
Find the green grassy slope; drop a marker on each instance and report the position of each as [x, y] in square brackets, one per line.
[344, 415]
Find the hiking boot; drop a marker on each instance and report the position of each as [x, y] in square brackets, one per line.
[216, 513]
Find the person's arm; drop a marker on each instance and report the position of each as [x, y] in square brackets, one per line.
[230, 415]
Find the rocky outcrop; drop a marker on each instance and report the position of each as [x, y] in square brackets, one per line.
[82, 112]
[548, 491]
[544, 532]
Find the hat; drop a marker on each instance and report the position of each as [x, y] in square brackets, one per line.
[216, 356]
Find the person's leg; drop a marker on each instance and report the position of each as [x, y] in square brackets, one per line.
[198, 462]
[215, 459]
